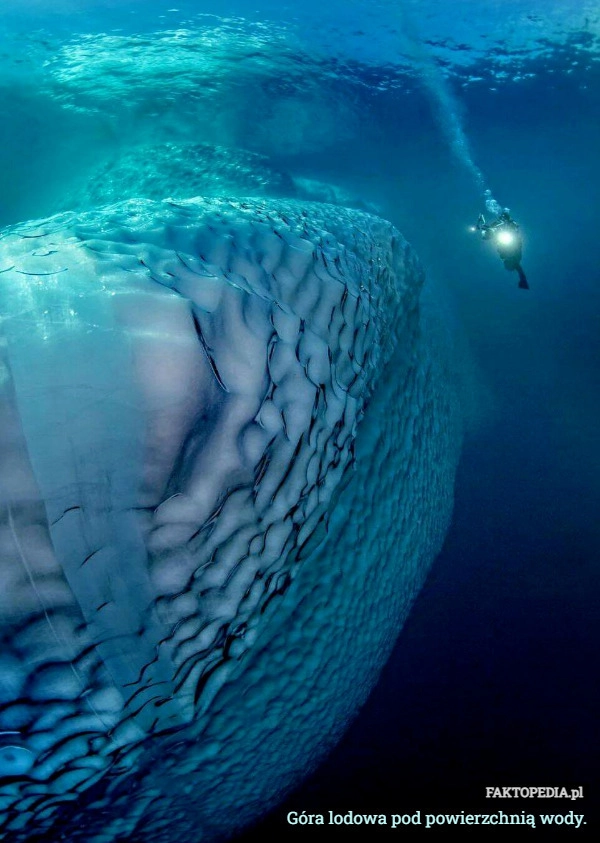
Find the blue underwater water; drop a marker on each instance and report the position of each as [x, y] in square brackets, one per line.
[409, 111]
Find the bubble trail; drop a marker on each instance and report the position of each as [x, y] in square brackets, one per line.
[446, 107]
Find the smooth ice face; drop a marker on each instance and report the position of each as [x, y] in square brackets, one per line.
[183, 389]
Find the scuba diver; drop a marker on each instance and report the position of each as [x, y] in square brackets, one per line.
[505, 234]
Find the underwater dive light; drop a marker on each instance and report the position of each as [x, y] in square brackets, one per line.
[505, 237]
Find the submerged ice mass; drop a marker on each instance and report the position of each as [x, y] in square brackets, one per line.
[192, 393]
[157, 170]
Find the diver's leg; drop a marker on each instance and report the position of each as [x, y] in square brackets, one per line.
[523, 285]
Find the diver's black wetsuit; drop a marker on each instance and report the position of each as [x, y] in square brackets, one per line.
[511, 252]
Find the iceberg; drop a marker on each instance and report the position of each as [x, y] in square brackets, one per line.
[229, 442]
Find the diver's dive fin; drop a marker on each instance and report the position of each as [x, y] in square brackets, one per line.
[523, 285]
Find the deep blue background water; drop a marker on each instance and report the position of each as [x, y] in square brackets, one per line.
[494, 678]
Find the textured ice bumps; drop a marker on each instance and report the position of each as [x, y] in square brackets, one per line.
[182, 388]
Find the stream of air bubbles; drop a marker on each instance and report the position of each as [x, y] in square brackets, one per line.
[446, 107]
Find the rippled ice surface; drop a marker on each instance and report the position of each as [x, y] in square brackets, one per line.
[408, 111]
